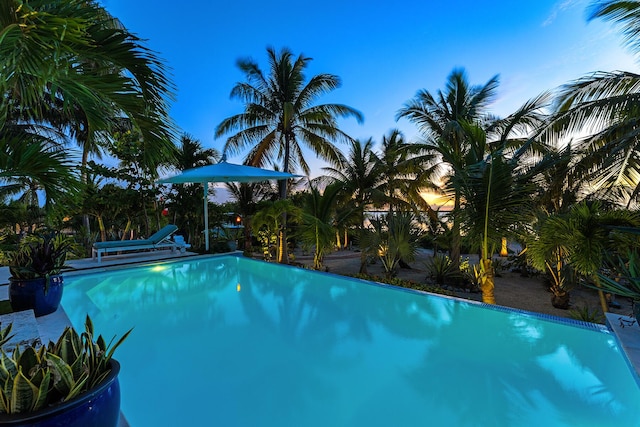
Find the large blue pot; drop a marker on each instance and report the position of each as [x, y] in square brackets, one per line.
[29, 294]
[99, 407]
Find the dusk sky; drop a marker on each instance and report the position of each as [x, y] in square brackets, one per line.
[383, 51]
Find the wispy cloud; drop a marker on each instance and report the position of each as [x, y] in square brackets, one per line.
[560, 7]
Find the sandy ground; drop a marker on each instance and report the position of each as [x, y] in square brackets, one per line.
[511, 289]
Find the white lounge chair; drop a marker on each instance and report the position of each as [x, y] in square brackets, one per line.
[159, 240]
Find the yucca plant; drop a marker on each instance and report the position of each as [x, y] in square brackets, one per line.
[34, 378]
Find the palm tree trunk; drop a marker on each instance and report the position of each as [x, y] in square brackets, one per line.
[84, 178]
[603, 300]
[247, 234]
[317, 259]
[103, 232]
[283, 255]
[126, 228]
[487, 283]
[455, 235]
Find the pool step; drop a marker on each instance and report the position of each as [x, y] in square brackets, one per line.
[25, 329]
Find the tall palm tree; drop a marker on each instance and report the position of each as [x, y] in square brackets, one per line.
[440, 119]
[496, 187]
[282, 115]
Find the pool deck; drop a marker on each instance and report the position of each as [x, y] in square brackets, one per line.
[627, 331]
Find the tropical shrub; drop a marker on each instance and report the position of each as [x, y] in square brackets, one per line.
[441, 270]
[586, 314]
[409, 284]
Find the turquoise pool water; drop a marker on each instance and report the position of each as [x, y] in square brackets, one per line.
[228, 341]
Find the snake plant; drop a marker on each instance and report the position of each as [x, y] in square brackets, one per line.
[36, 377]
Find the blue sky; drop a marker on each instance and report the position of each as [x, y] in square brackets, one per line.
[383, 51]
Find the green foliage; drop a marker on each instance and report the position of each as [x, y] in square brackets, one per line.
[578, 241]
[318, 219]
[34, 378]
[281, 113]
[4, 334]
[586, 314]
[268, 226]
[38, 256]
[471, 273]
[394, 238]
[410, 284]
[626, 279]
[441, 269]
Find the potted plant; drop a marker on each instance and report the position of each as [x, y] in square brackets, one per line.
[72, 382]
[35, 281]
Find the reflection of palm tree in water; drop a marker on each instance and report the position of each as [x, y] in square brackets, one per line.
[519, 370]
[312, 324]
[330, 332]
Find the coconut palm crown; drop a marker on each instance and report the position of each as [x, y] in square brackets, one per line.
[281, 114]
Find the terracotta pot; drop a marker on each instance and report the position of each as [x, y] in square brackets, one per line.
[29, 294]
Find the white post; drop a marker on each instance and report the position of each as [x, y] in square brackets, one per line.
[206, 215]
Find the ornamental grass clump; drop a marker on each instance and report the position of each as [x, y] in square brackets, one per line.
[35, 378]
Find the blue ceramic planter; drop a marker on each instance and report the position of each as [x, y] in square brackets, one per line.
[99, 407]
[29, 295]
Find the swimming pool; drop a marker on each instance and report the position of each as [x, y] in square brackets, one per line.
[230, 341]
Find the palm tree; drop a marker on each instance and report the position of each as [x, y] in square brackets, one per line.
[28, 159]
[83, 77]
[317, 220]
[439, 118]
[605, 106]
[584, 236]
[496, 187]
[268, 225]
[403, 175]
[361, 178]
[281, 115]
